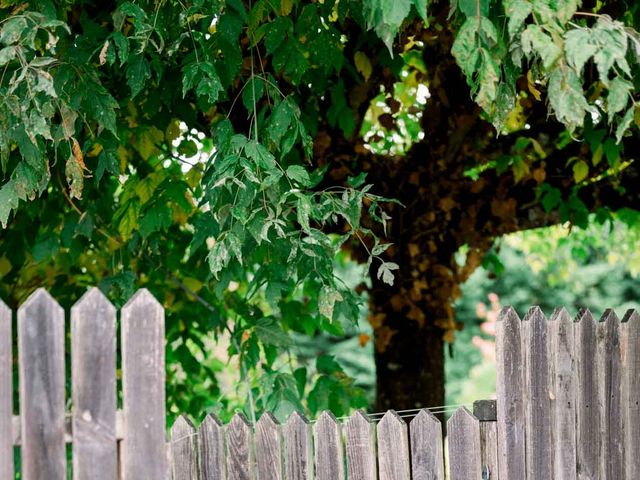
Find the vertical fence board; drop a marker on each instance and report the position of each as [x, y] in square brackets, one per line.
[485, 412]
[464, 446]
[143, 388]
[509, 391]
[611, 415]
[298, 448]
[268, 448]
[184, 458]
[587, 409]
[329, 452]
[361, 447]
[42, 387]
[393, 447]
[240, 456]
[426, 447]
[562, 395]
[211, 443]
[630, 332]
[6, 393]
[93, 381]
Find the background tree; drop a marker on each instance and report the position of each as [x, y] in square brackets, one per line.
[216, 151]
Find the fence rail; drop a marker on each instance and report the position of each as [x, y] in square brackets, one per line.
[567, 408]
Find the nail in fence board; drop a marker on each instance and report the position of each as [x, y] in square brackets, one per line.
[240, 456]
[562, 394]
[93, 381]
[509, 390]
[630, 333]
[183, 450]
[268, 448]
[393, 447]
[536, 395]
[360, 434]
[6, 394]
[42, 387]
[426, 447]
[587, 408]
[143, 388]
[611, 414]
[329, 452]
[211, 444]
[298, 445]
[464, 446]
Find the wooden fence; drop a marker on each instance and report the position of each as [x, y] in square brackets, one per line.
[567, 408]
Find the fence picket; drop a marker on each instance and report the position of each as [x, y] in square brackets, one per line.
[329, 452]
[611, 424]
[298, 448]
[184, 458]
[240, 457]
[93, 381]
[6, 393]
[509, 388]
[587, 409]
[465, 461]
[393, 447]
[42, 387]
[630, 333]
[143, 387]
[269, 448]
[426, 447]
[212, 455]
[361, 447]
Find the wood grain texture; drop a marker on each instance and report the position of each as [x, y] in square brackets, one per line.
[360, 439]
[6, 394]
[509, 392]
[211, 444]
[489, 450]
[269, 448]
[536, 395]
[240, 455]
[393, 447]
[587, 403]
[610, 395]
[298, 445]
[93, 381]
[184, 450]
[630, 340]
[329, 451]
[562, 395]
[464, 446]
[427, 461]
[41, 341]
[143, 388]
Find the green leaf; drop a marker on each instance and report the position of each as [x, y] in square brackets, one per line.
[137, 74]
[385, 17]
[565, 9]
[326, 301]
[625, 123]
[209, 85]
[303, 212]
[551, 199]
[218, 258]
[580, 171]
[566, 98]
[299, 174]
[327, 364]
[618, 98]
[421, 8]
[7, 54]
[579, 48]
[385, 272]
[12, 29]
[269, 332]
[259, 154]
[535, 39]
[9, 200]
[517, 11]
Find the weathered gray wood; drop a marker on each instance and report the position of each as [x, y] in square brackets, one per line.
[269, 448]
[509, 392]
[360, 435]
[393, 447]
[562, 395]
[184, 448]
[6, 393]
[426, 447]
[298, 448]
[465, 462]
[587, 409]
[485, 410]
[211, 443]
[630, 336]
[240, 457]
[489, 450]
[610, 395]
[536, 395]
[42, 387]
[329, 452]
[143, 389]
[93, 381]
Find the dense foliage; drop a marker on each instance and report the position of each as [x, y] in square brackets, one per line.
[216, 152]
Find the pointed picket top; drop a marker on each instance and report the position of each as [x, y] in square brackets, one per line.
[464, 446]
[560, 315]
[94, 300]
[211, 421]
[38, 299]
[182, 425]
[632, 318]
[327, 419]
[391, 419]
[267, 420]
[462, 416]
[361, 447]
[585, 316]
[240, 458]
[297, 418]
[298, 449]
[393, 447]
[184, 463]
[269, 447]
[508, 314]
[359, 419]
[609, 316]
[427, 459]
[425, 417]
[211, 444]
[329, 452]
[239, 422]
[534, 313]
[142, 297]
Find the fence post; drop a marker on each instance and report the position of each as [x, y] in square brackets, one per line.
[6, 393]
[485, 412]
